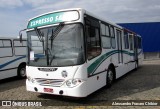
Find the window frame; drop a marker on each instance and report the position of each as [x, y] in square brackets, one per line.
[113, 36]
[126, 41]
[91, 27]
[18, 46]
[7, 47]
[19, 40]
[106, 25]
[3, 43]
[131, 42]
[139, 43]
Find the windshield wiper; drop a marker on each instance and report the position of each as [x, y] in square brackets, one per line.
[53, 35]
[55, 32]
[40, 35]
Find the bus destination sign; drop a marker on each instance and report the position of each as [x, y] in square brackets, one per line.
[53, 18]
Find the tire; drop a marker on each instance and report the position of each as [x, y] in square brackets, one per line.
[22, 71]
[110, 77]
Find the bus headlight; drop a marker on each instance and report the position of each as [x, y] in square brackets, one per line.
[31, 79]
[73, 82]
[69, 83]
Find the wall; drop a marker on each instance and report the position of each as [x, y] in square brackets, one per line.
[150, 32]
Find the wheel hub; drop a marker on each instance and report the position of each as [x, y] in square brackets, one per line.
[110, 76]
[23, 72]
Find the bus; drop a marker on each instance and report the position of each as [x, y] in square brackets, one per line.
[73, 52]
[12, 57]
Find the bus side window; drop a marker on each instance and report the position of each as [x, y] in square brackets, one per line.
[131, 42]
[7, 43]
[139, 43]
[1, 44]
[6, 48]
[24, 43]
[19, 48]
[126, 43]
[113, 41]
[17, 43]
[93, 42]
[106, 40]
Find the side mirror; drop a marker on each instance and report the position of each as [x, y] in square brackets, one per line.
[20, 35]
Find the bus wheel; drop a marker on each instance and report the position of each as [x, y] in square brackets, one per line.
[110, 77]
[22, 71]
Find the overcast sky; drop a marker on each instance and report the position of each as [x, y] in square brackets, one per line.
[14, 14]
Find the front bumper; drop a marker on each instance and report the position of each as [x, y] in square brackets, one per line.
[78, 91]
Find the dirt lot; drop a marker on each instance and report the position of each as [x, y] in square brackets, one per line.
[143, 84]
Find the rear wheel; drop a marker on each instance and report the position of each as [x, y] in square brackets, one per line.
[110, 77]
[22, 71]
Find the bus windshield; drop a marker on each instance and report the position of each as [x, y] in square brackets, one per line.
[66, 48]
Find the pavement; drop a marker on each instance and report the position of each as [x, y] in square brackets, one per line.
[142, 84]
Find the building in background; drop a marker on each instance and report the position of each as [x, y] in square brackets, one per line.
[150, 32]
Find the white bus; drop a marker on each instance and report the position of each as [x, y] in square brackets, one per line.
[12, 57]
[77, 53]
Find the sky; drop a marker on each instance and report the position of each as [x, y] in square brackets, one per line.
[14, 14]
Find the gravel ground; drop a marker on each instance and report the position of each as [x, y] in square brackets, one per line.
[143, 84]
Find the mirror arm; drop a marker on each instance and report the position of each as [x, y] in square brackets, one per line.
[20, 35]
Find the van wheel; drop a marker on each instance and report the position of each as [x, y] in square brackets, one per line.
[22, 71]
[110, 77]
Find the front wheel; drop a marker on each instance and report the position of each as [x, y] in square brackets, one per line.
[110, 77]
[22, 71]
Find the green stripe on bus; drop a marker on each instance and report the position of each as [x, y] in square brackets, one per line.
[91, 69]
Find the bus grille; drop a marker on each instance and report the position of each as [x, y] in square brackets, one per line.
[49, 82]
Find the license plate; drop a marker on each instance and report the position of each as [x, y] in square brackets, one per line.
[48, 90]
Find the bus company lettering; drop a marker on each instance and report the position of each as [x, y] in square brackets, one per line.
[46, 20]
[53, 18]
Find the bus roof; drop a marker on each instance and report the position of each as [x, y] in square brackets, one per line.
[57, 11]
[127, 30]
[104, 20]
[79, 9]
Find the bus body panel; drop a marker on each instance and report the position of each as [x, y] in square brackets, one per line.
[79, 91]
[57, 74]
[8, 73]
